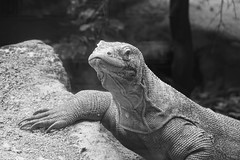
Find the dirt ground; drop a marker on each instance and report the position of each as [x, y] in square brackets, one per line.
[32, 77]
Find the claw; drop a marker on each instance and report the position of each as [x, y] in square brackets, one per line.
[40, 124]
[34, 117]
[19, 123]
[56, 125]
[25, 119]
[41, 111]
[28, 123]
[43, 118]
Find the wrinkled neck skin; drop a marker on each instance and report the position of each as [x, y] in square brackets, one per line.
[132, 96]
[137, 100]
[128, 95]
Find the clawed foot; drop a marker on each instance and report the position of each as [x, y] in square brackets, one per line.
[44, 118]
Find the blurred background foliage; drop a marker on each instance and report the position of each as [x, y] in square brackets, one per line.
[74, 27]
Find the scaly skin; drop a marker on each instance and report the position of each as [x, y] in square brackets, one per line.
[146, 115]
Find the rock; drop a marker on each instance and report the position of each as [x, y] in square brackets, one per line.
[32, 77]
[1, 120]
[61, 158]
[41, 158]
[19, 158]
[16, 150]
[6, 146]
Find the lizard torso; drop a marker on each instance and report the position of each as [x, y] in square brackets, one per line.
[141, 117]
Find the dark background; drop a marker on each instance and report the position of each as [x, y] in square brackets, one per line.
[200, 62]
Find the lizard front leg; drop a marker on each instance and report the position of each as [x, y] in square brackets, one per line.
[88, 105]
[188, 142]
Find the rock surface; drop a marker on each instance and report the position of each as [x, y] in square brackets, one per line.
[32, 77]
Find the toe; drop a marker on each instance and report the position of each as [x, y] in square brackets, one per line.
[56, 125]
[29, 123]
[41, 111]
[38, 116]
[41, 124]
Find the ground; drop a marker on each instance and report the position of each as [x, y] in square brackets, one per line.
[32, 77]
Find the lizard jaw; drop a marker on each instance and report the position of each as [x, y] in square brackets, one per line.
[96, 64]
[103, 67]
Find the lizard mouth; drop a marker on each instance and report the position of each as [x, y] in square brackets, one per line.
[106, 66]
[113, 68]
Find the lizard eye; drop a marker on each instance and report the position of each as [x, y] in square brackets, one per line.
[127, 52]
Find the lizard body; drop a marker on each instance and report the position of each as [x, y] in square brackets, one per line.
[146, 115]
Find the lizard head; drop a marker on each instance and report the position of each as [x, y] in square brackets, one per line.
[117, 62]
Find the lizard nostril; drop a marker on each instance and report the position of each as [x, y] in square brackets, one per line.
[109, 53]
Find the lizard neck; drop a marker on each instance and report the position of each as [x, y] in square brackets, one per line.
[137, 95]
[129, 97]
[131, 104]
[133, 101]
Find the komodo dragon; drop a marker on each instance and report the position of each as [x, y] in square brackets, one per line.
[146, 115]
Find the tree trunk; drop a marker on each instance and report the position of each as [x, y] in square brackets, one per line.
[183, 58]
